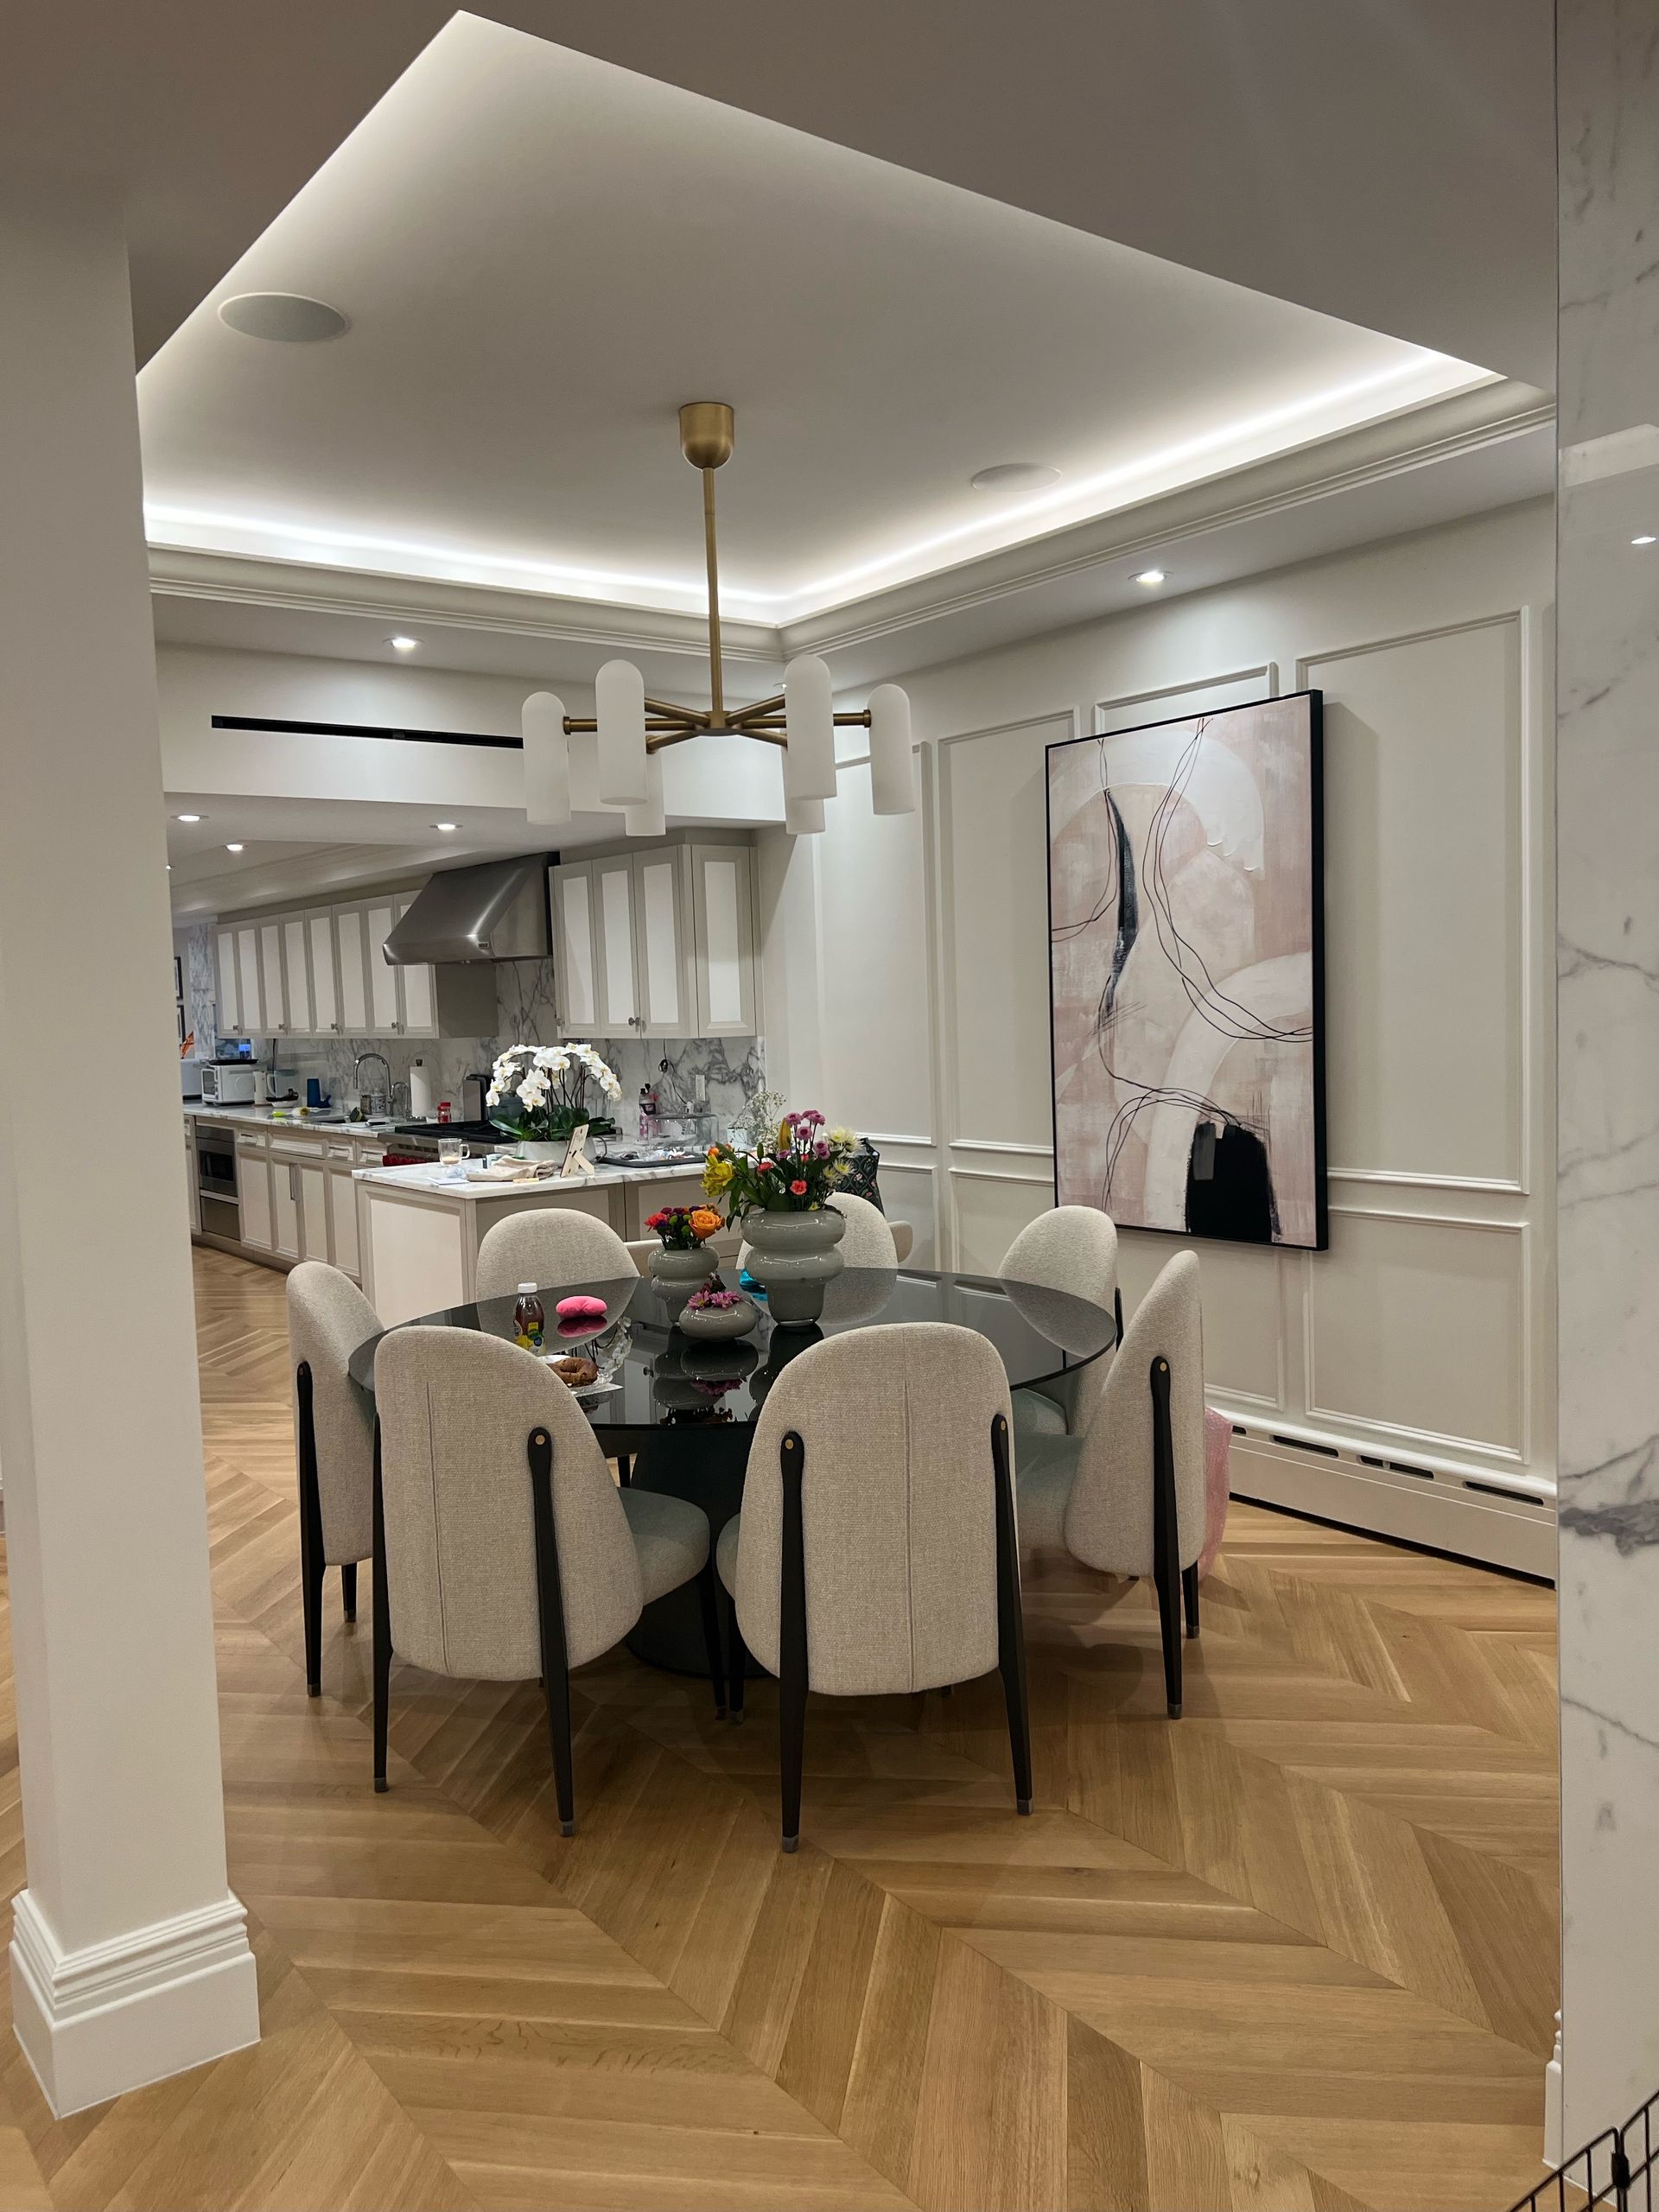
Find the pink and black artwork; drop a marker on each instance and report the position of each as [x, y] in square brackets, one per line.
[1186, 973]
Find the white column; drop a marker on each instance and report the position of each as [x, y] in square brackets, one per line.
[130, 1956]
[1607, 801]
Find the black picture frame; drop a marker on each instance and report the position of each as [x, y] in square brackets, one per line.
[1315, 699]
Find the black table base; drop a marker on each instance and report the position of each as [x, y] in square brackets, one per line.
[705, 1467]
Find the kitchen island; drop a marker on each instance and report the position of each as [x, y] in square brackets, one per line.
[419, 1228]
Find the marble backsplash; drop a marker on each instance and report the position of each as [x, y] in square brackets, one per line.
[733, 1070]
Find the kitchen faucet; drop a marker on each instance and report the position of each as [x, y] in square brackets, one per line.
[384, 1095]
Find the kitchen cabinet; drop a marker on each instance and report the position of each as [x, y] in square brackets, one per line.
[418, 1013]
[298, 1201]
[353, 971]
[192, 1180]
[662, 943]
[574, 970]
[322, 971]
[228, 1016]
[296, 978]
[722, 931]
[250, 997]
[615, 930]
[272, 983]
[253, 1193]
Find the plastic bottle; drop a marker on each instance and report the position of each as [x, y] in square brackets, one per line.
[529, 1318]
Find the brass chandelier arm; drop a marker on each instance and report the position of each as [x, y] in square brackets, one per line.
[715, 678]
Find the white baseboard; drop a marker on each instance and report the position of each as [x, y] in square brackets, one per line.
[97, 2022]
[1554, 2123]
[1437, 1507]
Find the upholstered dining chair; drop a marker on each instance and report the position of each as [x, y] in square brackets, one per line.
[550, 1245]
[328, 1317]
[1129, 1496]
[502, 1548]
[876, 1552]
[1070, 1248]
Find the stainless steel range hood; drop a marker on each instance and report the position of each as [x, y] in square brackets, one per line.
[496, 910]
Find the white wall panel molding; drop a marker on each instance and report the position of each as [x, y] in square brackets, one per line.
[1392, 1178]
[1472, 1325]
[1203, 695]
[1014, 1151]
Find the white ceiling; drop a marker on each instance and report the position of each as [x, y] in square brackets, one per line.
[1392, 164]
[542, 255]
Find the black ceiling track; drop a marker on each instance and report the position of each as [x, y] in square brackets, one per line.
[367, 729]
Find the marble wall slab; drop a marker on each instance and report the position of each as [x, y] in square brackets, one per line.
[1607, 807]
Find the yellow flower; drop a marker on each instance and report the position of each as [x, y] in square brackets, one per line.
[783, 1136]
[717, 1176]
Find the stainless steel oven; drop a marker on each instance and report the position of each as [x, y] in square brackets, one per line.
[215, 1162]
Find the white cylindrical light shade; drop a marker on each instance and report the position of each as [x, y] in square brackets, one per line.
[619, 709]
[547, 762]
[893, 765]
[809, 725]
[802, 817]
[647, 819]
[584, 773]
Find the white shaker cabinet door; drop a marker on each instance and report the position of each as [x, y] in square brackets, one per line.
[385, 1009]
[297, 978]
[420, 1007]
[229, 1000]
[353, 971]
[662, 928]
[253, 1193]
[575, 972]
[324, 978]
[343, 1213]
[618, 1009]
[723, 918]
[251, 1003]
[271, 979]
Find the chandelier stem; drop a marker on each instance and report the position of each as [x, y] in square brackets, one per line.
[716, 682]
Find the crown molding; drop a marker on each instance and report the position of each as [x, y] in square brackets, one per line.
[316, 587]
[1463, 422]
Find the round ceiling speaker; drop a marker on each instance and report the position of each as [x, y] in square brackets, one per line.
[289, 317]
[1013, 476]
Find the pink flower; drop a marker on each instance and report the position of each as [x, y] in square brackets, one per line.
[797, 1189]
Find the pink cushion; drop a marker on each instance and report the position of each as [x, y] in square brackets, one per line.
[1217, 1443]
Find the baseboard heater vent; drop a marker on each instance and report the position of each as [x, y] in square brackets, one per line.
[1301, 1444]
[1509, 1497]
[1441, 1479]
[1399, 1467]
[274, 725]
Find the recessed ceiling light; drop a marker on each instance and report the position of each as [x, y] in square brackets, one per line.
[187, 817]
[1149, 576]
[232, 848]
[1013, 476]
[1646, 538]
[446, 825]
[404, 644]
[289, 317]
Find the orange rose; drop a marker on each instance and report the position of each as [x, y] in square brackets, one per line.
[704, 1222]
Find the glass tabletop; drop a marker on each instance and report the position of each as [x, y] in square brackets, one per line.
[654, 1376]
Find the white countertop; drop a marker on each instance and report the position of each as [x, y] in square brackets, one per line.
[288, 1123]
[442, 1182]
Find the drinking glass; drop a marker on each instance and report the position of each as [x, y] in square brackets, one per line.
[451, 1151]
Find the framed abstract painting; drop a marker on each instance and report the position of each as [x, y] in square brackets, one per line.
[1186, 974]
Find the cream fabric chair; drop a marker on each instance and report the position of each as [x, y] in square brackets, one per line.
[549, 1246]
[1128, 1497]
[876, 1551]
[1071, 1249]
[328, 1317]
[502, 1547]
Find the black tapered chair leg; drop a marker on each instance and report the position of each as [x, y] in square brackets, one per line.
[381, 1627]
[708, 1599]
[792, 1663]
[624, 1469]
[1190, 1597]
[311, 1563]
[737, 1663]
[550, 1607]
[1165, 1535]
[1010, 1619]
[348, 1590]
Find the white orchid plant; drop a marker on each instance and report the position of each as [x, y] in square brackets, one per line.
[540, 1091]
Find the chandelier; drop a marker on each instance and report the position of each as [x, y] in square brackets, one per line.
[634, 731]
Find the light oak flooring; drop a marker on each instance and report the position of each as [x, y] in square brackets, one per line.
[1295, 1952]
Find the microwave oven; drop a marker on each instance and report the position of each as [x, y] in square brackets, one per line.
[224, 1085]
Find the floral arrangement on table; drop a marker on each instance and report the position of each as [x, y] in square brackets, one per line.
[683, 1228]
[541, 1090]
[714, 1301]
[795, 1173]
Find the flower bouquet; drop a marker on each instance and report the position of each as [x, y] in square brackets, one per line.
[683, 1228]
[537, 1093]
[781, 1194]
[715, 1315]
[680, 1263]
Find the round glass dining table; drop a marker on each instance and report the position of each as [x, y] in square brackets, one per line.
[678, 1410]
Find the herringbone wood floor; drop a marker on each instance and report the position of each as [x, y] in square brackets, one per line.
[1293, 1953]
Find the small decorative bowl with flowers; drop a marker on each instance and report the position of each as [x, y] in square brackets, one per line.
[714, 1315]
